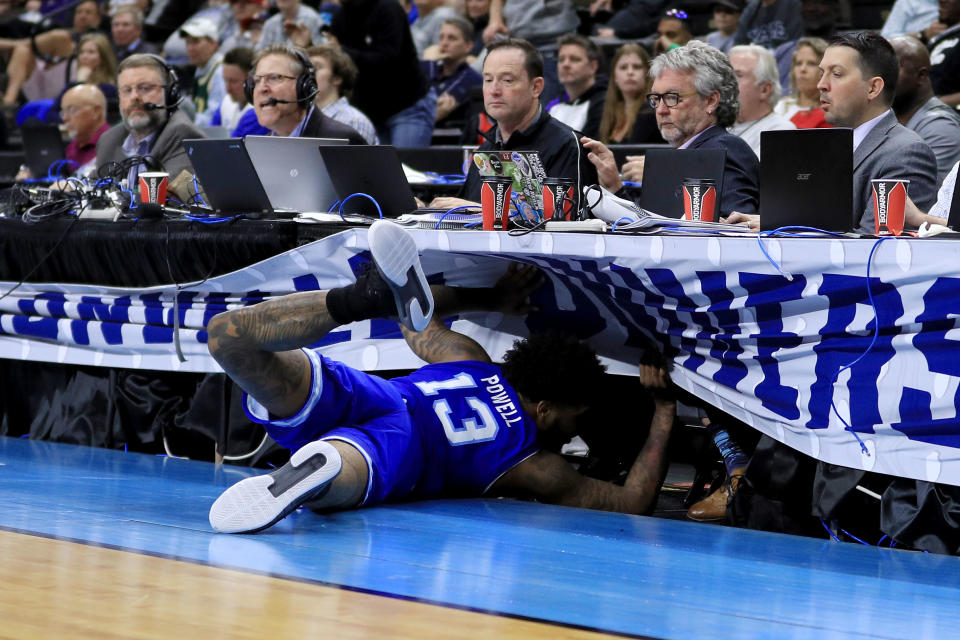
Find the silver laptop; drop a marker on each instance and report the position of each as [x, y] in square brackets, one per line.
[292, 171]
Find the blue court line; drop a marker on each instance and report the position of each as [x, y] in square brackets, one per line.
[590, 570]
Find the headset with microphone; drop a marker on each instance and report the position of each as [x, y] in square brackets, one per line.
[172, 93]
[306, 82]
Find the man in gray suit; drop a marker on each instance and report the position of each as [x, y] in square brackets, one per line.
[151, 125]
[856, 90]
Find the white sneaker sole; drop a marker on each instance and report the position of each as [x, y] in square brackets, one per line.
[396, 257]
[251, 504]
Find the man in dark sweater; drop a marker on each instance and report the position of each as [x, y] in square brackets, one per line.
[581, 106]
[391, 89]
[512, 84]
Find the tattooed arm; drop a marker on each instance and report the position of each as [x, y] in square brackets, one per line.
[549, 478]
[437, 343]
[259, 347]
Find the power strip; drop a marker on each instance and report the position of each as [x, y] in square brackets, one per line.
[576, 225]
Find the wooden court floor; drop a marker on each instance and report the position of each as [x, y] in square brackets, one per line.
[106, 544]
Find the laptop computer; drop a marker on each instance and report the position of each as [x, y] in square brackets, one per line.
[291, 171]
[664, 171]
[42, 146]
[373, 170]
[227, 176]
[806, 179]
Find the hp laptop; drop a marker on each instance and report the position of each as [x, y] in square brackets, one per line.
[43, 145]
[227, 176]
[292, 170]
[806, 179]
[664, 171]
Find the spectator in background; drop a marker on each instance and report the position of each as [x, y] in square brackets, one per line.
[478, 13]
[803, 106]
[581, 106]
[83, 109]
[919, 18]
[451, 75]
[770, 23]
[431, 14]
[279, 100]
[391, 88]
[945, 54]
[694, 93]
[245, 28]
[95, 65]
[636, 19]
[296, 25]
[726, 17]
[58, 44]
[919, 110]
[759, 84]
[539, 22]
[336, 77]
[126, 31]
[207, 90]
[673, 31]
[235, 113]
[627, 118]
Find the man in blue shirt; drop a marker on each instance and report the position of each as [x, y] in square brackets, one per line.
[459, 426]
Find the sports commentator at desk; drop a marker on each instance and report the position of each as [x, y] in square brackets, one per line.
[695, 95]
[512, 84]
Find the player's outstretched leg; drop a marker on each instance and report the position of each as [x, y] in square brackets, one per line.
[259, 502]
[395, 254]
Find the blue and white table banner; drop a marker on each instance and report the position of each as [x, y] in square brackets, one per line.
[760, 345]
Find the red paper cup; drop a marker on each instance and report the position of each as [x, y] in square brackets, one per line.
[557, 198]
[699, 200]
[495, 201]
[153, 186]
[889, 200]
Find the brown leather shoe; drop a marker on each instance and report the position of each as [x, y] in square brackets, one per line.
[714, 506]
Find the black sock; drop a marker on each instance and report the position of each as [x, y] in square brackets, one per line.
[351, 303]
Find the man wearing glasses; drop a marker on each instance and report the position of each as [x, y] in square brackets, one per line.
[83, 110]
[284, 88]
[151, 124]
[692, 119]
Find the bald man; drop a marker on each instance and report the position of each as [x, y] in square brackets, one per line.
[919, 109]
[84, 112]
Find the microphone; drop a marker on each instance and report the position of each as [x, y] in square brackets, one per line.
[273, 101]
[150, 106]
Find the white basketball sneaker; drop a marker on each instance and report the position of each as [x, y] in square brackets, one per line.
[398, 261]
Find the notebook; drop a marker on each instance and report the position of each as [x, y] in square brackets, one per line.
[42, 146]
[289, 168]
[229, 181]
[806, 179]
[664, 171]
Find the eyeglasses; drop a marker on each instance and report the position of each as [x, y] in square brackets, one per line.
[679, 14]
[72, 110]
[272, 79]
[139, 89]
[671, 99]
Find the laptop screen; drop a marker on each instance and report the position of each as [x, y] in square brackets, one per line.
[664, 171]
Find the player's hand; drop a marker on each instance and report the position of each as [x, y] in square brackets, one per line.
[752, 219]
[512, 291]
[602, 158]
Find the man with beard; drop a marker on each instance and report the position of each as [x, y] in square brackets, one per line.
[151, 125]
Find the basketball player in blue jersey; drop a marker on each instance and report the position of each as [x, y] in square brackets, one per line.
[459, 426]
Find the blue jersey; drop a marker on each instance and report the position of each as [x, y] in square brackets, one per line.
[446, 429]
[472, 426]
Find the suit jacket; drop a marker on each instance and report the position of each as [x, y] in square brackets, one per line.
[741, 171]
[322, 126]
[167, 149]
[891, 150]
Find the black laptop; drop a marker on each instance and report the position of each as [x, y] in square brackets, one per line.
[806, 179]
[42, 146]
[664, 171]
[229, 181]
[373, 170]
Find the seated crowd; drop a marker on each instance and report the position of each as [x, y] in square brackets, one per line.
[510, 75]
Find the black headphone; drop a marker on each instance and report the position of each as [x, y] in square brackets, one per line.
[172, 93]
[306, 82]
